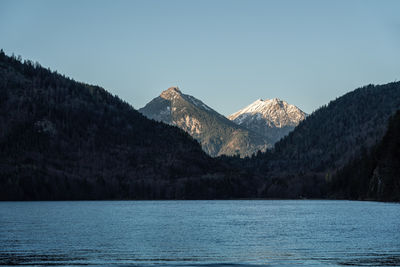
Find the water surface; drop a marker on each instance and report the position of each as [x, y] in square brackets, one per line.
[200, 233]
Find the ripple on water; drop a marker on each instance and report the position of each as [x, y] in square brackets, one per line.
[200, 233]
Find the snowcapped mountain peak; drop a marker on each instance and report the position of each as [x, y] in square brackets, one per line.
[273, 101]
[275, 112]
[264, 116]
[258, 106]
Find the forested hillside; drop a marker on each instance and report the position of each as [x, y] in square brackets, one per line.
[374, 175]
[334, 134]
[61, 139]
[303, 163]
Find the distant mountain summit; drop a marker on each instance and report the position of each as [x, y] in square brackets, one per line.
[217, 134]
[272, 118]
[62, 139]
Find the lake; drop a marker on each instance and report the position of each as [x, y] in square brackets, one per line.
[200, 233]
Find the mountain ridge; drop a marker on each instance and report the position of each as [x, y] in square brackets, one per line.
[217, 134]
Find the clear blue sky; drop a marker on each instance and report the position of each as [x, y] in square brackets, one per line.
[226, 53]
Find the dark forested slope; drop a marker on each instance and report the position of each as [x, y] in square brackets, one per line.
[61, 139]
[302, 163]
[336, 133]
[374, 175]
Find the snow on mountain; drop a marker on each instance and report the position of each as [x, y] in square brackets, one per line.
[215, 132]
[273, 118]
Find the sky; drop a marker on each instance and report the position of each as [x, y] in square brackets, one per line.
[225, 53]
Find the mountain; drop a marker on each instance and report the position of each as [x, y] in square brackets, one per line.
[332, 135]
[326, 141]
[217, 134]
[374, 175]
[272, 118]
[62, 139]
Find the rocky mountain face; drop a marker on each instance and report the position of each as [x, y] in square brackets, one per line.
[217, 134]
[272, 118]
